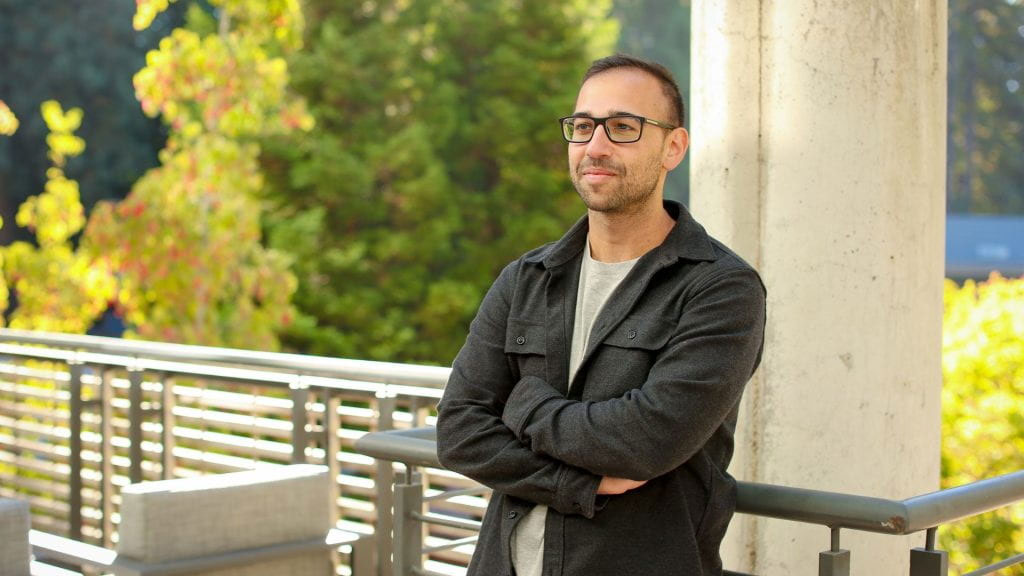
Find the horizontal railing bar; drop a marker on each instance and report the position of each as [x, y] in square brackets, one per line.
[1018, 559]
[831, 509]
[362, 370]
[380, 386]
[451, 544]
[417, 447]
[953, 504]
[444, 521]
[453, 493]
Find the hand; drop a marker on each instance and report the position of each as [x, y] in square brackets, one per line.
[610, 485]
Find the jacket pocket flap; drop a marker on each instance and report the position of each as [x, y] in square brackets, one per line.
[522, 337]
[640, 332]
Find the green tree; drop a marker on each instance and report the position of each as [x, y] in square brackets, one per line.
[983, 410]
[436, 160]
[186, 243]
[985, 146]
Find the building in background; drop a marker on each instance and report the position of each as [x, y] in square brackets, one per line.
[979, 244]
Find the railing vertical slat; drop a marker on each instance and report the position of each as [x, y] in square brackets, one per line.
[107, 455]
[135, 417]
[167, 403]
[300, 437]
[332, 445]
[75, 370]
[384, 480]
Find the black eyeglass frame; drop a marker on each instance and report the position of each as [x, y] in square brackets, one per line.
[563, 122]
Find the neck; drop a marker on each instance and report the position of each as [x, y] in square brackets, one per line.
[617, 237]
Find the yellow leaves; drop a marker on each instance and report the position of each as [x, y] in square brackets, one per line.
[57, 214]
[146, 11]
[982, 404]
[191, 130]
[59, 288]
[8, 121]
[185, 245]
[276, 21]
[62, 142]
[63, 146]
[218, 83]
[59, 121]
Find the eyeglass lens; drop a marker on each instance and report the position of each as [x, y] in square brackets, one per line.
[618, 128]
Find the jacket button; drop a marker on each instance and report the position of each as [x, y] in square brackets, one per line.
[512, 514]
[631, 334]
[520, 340]
[576, 506]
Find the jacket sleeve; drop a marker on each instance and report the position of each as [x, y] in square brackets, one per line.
[692, 387]
[471, 437]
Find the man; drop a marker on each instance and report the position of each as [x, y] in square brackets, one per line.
[598, 389]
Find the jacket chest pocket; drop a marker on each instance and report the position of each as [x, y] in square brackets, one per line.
[526, 347]
[623, 360]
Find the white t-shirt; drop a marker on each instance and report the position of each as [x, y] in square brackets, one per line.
[597, 282]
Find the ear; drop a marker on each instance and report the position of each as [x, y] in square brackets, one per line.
[676, 145]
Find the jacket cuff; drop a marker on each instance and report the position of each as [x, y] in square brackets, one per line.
[577, 492]
[527, 395]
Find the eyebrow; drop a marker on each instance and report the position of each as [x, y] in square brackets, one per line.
[613, 113]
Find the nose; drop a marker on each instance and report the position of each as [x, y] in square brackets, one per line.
[599, 145]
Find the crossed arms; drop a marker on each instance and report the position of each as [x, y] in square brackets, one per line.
[523, 438]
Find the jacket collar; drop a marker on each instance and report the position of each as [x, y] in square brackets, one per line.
[688, 240]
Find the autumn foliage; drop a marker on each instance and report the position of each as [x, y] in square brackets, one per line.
[59, 288]
[983, 410]
[186, 244]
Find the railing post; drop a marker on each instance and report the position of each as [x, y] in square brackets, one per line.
[384, 482]
[408, 539]
[300, 438]
[135, 417]
[75, 370]
[836, 561]
[928, 561]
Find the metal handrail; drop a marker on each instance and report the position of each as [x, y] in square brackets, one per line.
[314, 385]
[361, 370]
[417, 447]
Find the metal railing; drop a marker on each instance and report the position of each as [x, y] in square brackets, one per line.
[417, 448]
[81, 416]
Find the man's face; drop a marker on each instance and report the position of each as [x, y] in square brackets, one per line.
[621, 178]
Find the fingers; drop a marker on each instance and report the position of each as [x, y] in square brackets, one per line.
[611, 485]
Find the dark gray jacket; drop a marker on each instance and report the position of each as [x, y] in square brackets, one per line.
[655, 398]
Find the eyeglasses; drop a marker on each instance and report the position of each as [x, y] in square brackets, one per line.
[621, 129]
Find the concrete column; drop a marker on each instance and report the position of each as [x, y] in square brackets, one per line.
[818, 153]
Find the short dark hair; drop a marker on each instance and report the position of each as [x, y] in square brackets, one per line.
[668, 83]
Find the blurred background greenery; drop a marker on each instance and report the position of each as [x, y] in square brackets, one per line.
[346, 178]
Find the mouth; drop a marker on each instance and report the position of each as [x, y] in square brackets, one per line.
[597, 175]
